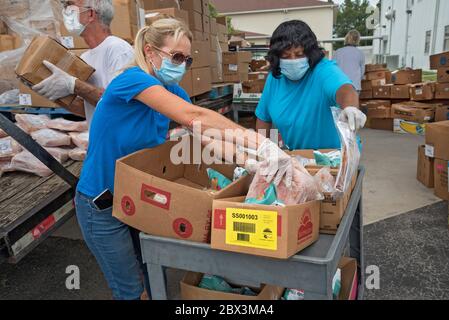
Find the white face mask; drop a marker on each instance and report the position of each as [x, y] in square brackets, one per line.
[72, 22]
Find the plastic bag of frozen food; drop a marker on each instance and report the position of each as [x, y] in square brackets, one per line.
[26, 162]
[31, 122]
[51, 138]
[9, 148]
[67, 125]
[350, 155]
[5, 166]
[60, 154]
[3, 134]
[325, 180]
[81, 140]
[78, 154]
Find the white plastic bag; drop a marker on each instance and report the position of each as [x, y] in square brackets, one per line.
[67, 125]
[26, 162]
[81, 140]
[31, 122]
[78, 154]
[9, 148]
[51, 138]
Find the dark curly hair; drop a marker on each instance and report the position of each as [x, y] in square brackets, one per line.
[293, 34]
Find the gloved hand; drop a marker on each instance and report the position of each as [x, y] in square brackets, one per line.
[276, 163]
[59, 85]
[354, 117]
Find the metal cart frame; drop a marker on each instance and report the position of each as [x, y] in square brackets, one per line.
[311, 270]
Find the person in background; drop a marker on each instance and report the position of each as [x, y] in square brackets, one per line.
[352, 60]
[301, 89]
[90, 19]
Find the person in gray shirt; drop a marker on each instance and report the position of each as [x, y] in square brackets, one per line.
[352, 60]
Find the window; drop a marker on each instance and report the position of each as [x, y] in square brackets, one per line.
[427, 44]
[446, 38]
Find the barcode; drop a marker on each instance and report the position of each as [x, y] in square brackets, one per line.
[242, 237]
[244, 227]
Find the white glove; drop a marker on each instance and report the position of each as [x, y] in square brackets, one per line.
[277, 163]
[59, 85]
[354, 117]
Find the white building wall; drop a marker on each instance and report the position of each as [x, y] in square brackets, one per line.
[421, 19]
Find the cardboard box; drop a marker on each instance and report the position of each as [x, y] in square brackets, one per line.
[32, 70]
[129, 15]
[200, 54]
[206, 24]
[422, 91]
[253, 86]
[222, 20]
[442, 113]
[381, 124]
[206, 11]
[376, 75]
[349, 279]
[425, 169]
[214, 59]
[439, 61]
[224, 46]
[441, 179]
[379, 112]
[207, 37]
[28, 97]
[195, 21]
[408, 127]
[370, 84]
[443, 75]
[383, 92]
[173, 12]
[437, 136]
[187, 83]
[408, 76]
[156, 196]
[70, 41]
[3, 28]
[239, 96]
[237, 57]
[413, 111]
[201, 80]
[9, 42]
[366, 94]
[256, 65]
[78, 52]
[400, 92]
[222, 34]
[442, 91]
[375, 67]
[262, 75]
[216, 75]
[213, 26]
[270, 231]
[198, 36]
[237, 72]
[191, 291]
[376, 103]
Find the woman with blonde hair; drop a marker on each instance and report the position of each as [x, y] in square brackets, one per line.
[351, 59]
[133, 114]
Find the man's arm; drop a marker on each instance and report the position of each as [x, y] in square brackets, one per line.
[88, 92]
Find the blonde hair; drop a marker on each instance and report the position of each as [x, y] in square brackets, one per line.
[352, 38]
[162, 26]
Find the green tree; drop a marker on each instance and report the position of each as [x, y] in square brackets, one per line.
[352, 15]
[214, 13]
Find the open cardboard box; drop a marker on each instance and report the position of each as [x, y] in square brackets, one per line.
[191, 291]
[349, 279]
[262, 230]
[156, 196]
[332, 211]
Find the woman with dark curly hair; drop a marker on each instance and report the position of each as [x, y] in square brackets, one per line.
[301, 89]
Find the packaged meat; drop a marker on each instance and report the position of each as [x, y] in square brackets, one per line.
[2, 134]
[31, 122]
[9, 148]
[51, 138]
[5, 166]
[325, 180]
[81, 140]
[26, 162]
[67, 125]
[60, 154]
[78, 154]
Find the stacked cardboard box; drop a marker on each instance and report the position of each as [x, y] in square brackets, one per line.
[218, 45]
[379, 114]
[236, 66]
[440, 62]
[8, 41]
[437, 148]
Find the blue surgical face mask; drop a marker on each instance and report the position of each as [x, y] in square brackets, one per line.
[170, 73]
[294, 69]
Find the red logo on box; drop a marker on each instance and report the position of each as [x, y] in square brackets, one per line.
[43, 227]
[305, 227]
[183, 228]
[128, 206]
[155, 196]
[220, 219]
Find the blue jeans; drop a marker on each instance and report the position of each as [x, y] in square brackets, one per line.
[116, 247]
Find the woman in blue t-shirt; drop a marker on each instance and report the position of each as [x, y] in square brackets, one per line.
[301, 89]
[133, 114]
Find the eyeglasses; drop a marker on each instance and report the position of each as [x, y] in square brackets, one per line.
[69, 6]
[177, 57]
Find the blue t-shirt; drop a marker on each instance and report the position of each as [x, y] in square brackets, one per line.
[301, 110]
[121, 126]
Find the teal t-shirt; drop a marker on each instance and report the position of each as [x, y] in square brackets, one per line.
[301, 110]
[121, 126]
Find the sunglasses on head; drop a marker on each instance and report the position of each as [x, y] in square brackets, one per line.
[178, 57]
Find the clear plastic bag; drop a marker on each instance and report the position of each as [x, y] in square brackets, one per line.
[3, 134]
[10, 97]
[5, 166]
[26, 162]
[9, 148]
[81, 140]
[31, 122]
[325, 180]
[78, 154]
[350, 155]
[51, 138]
[67, 125]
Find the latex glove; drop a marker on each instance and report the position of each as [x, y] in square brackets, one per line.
[59, 85]
[354, 117]
[277, 165]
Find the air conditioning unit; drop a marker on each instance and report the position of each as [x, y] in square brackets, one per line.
[392, 62]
